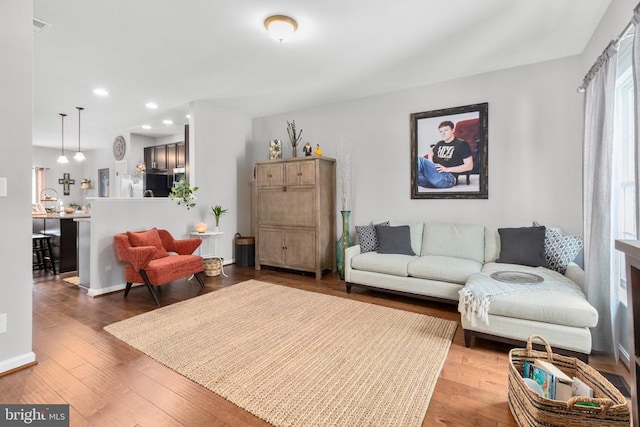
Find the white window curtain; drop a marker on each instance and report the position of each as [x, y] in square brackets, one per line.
[598, 139]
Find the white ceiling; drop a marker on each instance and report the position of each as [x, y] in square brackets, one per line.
[176, 51]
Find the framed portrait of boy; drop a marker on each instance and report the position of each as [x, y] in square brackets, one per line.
[449, 153]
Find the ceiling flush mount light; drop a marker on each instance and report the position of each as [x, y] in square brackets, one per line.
[63, 158]
[79, 155]
[101, 92]
[280, 27]
[151, 105]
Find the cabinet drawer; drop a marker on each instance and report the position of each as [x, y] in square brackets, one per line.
[293, 207]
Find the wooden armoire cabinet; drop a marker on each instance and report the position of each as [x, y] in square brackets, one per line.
[295, 214]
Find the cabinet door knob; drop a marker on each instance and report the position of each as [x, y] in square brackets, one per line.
[284, 188]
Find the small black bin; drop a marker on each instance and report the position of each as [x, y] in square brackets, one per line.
[245, 250]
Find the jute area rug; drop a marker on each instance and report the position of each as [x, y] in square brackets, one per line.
[299, 358]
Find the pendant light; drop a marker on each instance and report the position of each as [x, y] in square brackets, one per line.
[79, 155]
[63, 158]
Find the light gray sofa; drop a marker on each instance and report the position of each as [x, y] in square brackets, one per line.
[448, 254]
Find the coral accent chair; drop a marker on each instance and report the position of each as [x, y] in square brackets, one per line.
[469, 130]
[148, 260]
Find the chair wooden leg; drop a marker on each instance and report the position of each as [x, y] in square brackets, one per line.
[199, 279]
[150, 287]
[127, 289]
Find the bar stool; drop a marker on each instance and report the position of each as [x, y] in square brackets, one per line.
[42, 252]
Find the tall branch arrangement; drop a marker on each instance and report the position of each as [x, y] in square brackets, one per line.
[294, 137]
[344, 166]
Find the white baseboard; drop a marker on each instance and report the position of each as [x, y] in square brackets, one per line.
[16, 362]
[96, 292]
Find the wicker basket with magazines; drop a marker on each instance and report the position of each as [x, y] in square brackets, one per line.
[607, 407]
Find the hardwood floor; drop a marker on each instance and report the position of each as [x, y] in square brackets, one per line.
[108, 383]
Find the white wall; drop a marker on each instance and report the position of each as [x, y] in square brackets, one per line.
[221, 168]
[616, 18]
[535, 147]
[16, 37]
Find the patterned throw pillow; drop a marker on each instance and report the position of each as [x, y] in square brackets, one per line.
[560, 249]
[367, 237]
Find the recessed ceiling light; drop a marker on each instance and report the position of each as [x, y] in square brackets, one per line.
[101, 92]
[151, 105]
[188, 116]
[167, 122]
[146, 127]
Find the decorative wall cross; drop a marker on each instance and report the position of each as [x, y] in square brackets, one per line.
[66, 181]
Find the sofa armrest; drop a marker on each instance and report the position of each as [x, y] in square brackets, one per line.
[575, 273]
[349, 253]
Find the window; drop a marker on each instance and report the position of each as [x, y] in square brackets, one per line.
[623, 200]
[38, 183]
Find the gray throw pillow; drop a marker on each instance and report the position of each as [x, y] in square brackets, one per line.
[367, 237]
[524, 245]
[394, 240]
[560, 249]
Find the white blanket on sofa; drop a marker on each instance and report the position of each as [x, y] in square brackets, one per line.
[480, 290]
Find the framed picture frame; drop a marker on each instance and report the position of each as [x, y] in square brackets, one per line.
[449, 153]
[275, 149]
[103, 182]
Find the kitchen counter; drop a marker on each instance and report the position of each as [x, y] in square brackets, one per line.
[64, 231]
[62, 215]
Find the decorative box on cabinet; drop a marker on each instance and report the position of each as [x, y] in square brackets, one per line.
[295, 214]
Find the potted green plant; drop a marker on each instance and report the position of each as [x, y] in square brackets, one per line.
[217, 212]
[183, 193]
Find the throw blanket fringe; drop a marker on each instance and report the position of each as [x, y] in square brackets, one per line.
[481, 290]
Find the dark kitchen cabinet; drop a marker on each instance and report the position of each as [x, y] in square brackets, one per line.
[155, 157]
[171, 158]
[180, 155]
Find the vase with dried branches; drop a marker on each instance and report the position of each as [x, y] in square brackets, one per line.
[344, 169]
[294, 137]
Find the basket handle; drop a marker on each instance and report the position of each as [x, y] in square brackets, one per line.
[603, 403]
[546, 346]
